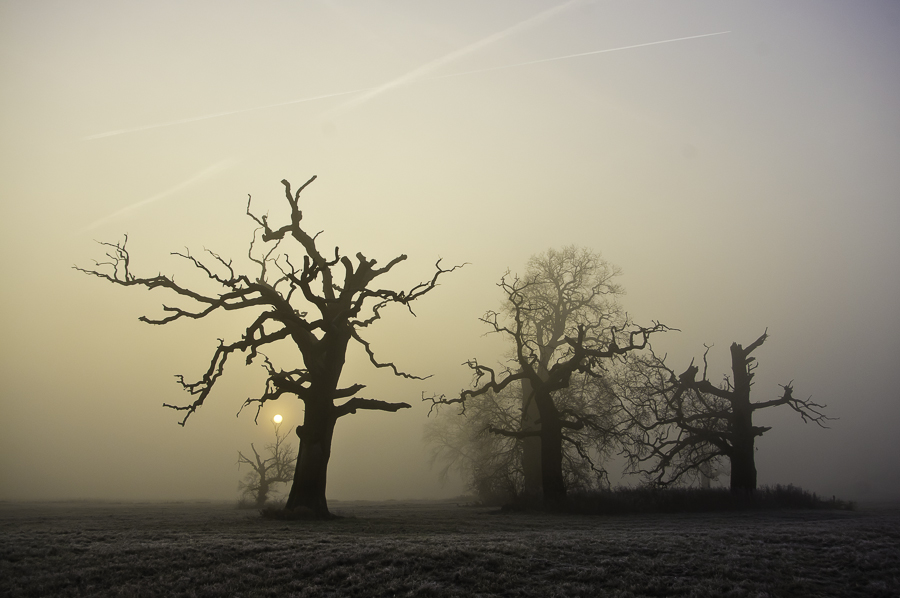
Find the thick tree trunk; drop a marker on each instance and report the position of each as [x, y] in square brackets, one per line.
[552, 480]
[325, 362]
[531, 446]
[743, 470]
[310, 475]
[743, 459]
[553, 483]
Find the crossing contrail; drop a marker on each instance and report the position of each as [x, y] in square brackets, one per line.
[421, 71]
[567, 56]
[370, 92]
[198, 176]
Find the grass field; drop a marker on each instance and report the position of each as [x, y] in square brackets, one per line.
[441, 549]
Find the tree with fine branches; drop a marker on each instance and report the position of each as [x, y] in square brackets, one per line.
[318, 302]
[492, 465]
[563, 324]
[276, 467]
[489, 464]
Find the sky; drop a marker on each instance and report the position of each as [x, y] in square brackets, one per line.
[737, 160]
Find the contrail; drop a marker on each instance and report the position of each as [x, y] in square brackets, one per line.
[567, 56]
[421, 71]
[206, 172]
[396, 82]
[369, 92]
[191, 119]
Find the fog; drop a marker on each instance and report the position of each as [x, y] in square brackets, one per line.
[743, 181]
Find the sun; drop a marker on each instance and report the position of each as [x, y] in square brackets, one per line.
[277, 419]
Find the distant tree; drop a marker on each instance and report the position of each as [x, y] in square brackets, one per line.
[319, 304]
[707, 472]
[679, 424]
[564, 324]
[276, 468]
[491, 464]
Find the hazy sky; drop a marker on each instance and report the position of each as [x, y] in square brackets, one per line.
[743, 180]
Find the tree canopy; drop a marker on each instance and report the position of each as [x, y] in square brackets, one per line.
[562, 324]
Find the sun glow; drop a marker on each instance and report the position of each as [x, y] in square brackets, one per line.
[277, 419]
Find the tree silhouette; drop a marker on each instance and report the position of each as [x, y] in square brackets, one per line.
[338, 299]
[678, 424]
[276, 468]
[562, 325]
[491, 464]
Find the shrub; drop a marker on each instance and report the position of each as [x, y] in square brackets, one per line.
[621, 501]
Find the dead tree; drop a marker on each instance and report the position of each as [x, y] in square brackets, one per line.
[678, 423]
[317, 302]
[276, 468]
[562, 323]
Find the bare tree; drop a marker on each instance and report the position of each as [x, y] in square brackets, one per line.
[563, 322]
[679, 424]
[338, 299]
[276, 468]
[491, 464]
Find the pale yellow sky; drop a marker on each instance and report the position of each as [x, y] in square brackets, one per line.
[742, 181]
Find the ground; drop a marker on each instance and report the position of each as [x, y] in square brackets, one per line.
[426, 548]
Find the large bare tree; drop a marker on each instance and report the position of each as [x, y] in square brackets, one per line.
[563, 322]
[318, 302]
[678, 423]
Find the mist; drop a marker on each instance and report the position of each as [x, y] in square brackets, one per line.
[743, 175]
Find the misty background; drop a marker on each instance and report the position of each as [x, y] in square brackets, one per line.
[742, 181]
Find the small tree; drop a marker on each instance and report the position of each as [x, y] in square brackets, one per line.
[562, 324]
[317, 303]
[679, 424]
[276, 468]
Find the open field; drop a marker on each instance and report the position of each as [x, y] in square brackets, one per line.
[441, 549]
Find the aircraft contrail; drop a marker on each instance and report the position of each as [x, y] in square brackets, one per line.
[408, 77]
[421, 71]
[567, 56]
[369, 92]
[206, 172]
[218, 114]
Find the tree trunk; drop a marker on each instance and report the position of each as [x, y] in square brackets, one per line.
[554, 485]
[743, 471]
[310, 474]
[531, 446]
[325, 362]
[706, 475]
[263, 493]
[743, 459]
